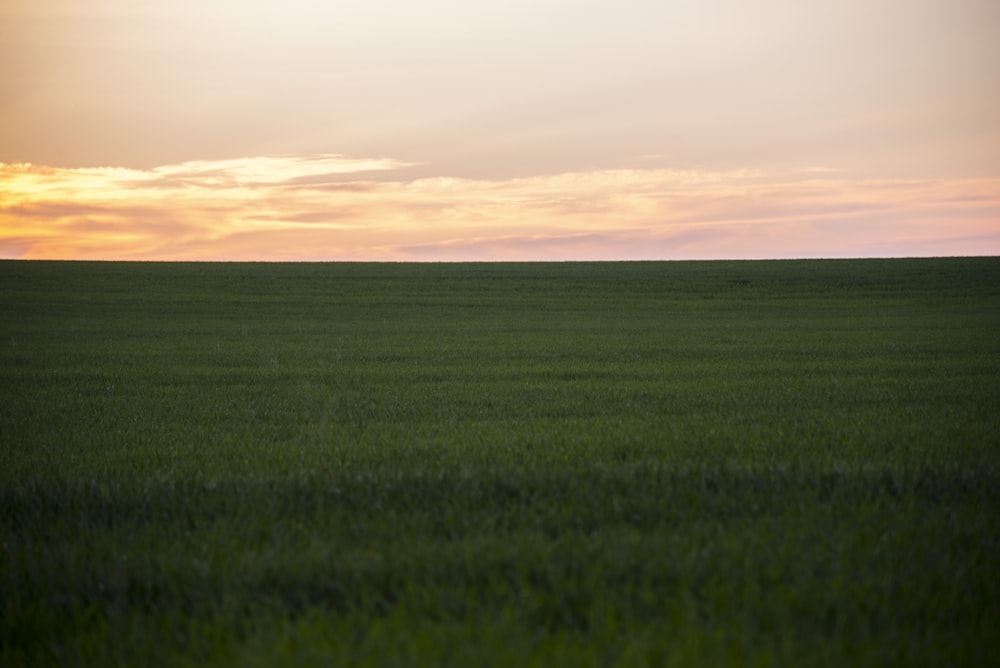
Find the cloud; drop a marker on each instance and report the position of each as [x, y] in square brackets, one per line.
[260, 171]
[331, 207]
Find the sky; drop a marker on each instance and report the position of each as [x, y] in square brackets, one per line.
[447, 130]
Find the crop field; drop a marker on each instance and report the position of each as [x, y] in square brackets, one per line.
[579, 464]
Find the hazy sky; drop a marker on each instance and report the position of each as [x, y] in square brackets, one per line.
[542, 129]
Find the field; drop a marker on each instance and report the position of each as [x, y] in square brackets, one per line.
[788, 462]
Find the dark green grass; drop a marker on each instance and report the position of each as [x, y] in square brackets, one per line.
[475, 464]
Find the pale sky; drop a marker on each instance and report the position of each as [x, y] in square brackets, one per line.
[471, 130]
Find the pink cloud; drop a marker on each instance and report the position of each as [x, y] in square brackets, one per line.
[331, 207]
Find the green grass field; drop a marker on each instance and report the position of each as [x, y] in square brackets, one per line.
[788, 462]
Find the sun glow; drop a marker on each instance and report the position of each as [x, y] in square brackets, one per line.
[330, 207]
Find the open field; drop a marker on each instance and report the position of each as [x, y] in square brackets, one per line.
[791, 462]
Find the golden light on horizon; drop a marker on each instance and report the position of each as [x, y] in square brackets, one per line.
[299, 129]
[336, 208]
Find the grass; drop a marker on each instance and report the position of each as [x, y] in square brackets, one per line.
[494, 464]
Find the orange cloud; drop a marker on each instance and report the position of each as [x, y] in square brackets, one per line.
[331, 207]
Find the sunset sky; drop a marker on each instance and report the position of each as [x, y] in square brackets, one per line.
[514, 130]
